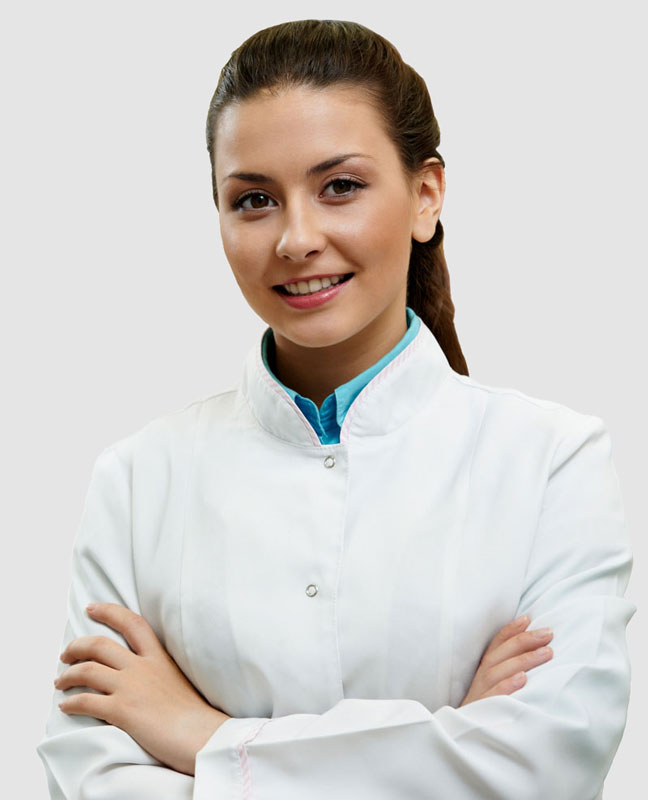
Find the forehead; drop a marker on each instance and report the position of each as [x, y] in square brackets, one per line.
[297, 126]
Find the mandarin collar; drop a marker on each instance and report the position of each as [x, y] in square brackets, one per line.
[388, 400]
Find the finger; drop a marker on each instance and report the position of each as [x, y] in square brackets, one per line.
[521, 643]
[508, 685]
[97, 648]
[90, 674]
[521, 663]
[92, 705]
[135, 629]
[509, 630]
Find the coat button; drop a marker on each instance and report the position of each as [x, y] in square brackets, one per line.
[329, 462]
[311, 590]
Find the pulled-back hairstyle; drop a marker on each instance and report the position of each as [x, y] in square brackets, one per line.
[320, 53]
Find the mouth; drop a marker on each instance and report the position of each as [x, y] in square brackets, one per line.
[311, 286]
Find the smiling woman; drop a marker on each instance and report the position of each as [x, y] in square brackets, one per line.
[305, 585]
[317, 140]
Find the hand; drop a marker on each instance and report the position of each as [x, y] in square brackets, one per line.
[511, 651]
[145, 692]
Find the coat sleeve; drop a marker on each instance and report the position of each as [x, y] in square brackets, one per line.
[554, 738]
[85, 757]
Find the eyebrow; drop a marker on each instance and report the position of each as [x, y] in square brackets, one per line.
[258, 177]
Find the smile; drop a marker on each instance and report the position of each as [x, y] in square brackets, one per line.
[313, 285]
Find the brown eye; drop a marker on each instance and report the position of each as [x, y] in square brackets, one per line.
[347, 185]
[254, 199]
[256, 204]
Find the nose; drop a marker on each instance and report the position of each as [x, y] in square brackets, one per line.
[301, 234]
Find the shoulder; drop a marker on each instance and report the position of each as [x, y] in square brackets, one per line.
[511, 415]
[171, 435]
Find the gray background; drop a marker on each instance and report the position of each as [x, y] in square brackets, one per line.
[118, 304]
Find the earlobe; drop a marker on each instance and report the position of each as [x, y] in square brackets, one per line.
[428, 200]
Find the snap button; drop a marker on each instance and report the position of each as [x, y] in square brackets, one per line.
[311, 590]
[329, 462]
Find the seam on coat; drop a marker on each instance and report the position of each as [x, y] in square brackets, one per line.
[129, 481]
[540, 402]
[271, 384]
[447, 616]
[198, 401]
[551, 470]
[376, 381]
[534, 540]
[181, 606]
[338, 570]
[244, 761]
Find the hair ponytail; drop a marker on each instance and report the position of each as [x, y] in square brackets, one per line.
[323, 52]
[428, 293]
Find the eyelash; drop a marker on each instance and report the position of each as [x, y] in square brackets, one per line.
[238, 204]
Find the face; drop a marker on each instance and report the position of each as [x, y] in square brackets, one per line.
[342, 230]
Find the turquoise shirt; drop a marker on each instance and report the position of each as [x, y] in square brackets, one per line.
[328, 419]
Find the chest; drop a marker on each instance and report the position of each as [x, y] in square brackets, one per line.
[379, 568]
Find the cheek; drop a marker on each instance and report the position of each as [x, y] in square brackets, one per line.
[386, 232]
[245, 254]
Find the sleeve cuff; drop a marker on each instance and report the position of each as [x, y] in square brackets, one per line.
[222, 766]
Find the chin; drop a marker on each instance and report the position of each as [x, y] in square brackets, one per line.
[317, 333]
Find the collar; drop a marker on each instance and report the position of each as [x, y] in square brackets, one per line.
[327, 420]
[396, 393]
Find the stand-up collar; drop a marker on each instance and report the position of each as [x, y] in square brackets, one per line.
[390, 398]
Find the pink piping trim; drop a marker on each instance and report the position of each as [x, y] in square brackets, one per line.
[245, 761]
[272, 384]
[411, 348]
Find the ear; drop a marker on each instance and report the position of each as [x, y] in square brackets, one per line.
[429, 191]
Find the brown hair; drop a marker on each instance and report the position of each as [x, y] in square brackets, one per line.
[319, 53]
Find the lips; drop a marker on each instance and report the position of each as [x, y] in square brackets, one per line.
[310, 300]
[304, 287]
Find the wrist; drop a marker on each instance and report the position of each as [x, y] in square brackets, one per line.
[202, 732]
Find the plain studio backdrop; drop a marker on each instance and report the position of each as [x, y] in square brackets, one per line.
[118, 304]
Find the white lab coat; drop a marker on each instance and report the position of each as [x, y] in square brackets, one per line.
[335, 600]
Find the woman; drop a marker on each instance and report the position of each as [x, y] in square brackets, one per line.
[305, 585]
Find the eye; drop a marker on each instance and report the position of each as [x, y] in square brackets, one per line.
[345, 182]
[239, 203]
[257, 199]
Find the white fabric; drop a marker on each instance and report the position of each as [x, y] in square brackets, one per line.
[452, 508]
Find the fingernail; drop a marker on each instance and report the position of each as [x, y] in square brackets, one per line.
[518, 680]
[91, 606]
[541, 633]
[522, 620]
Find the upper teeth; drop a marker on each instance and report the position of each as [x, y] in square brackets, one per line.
[313, 285]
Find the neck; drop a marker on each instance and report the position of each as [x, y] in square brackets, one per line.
[315, 372]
